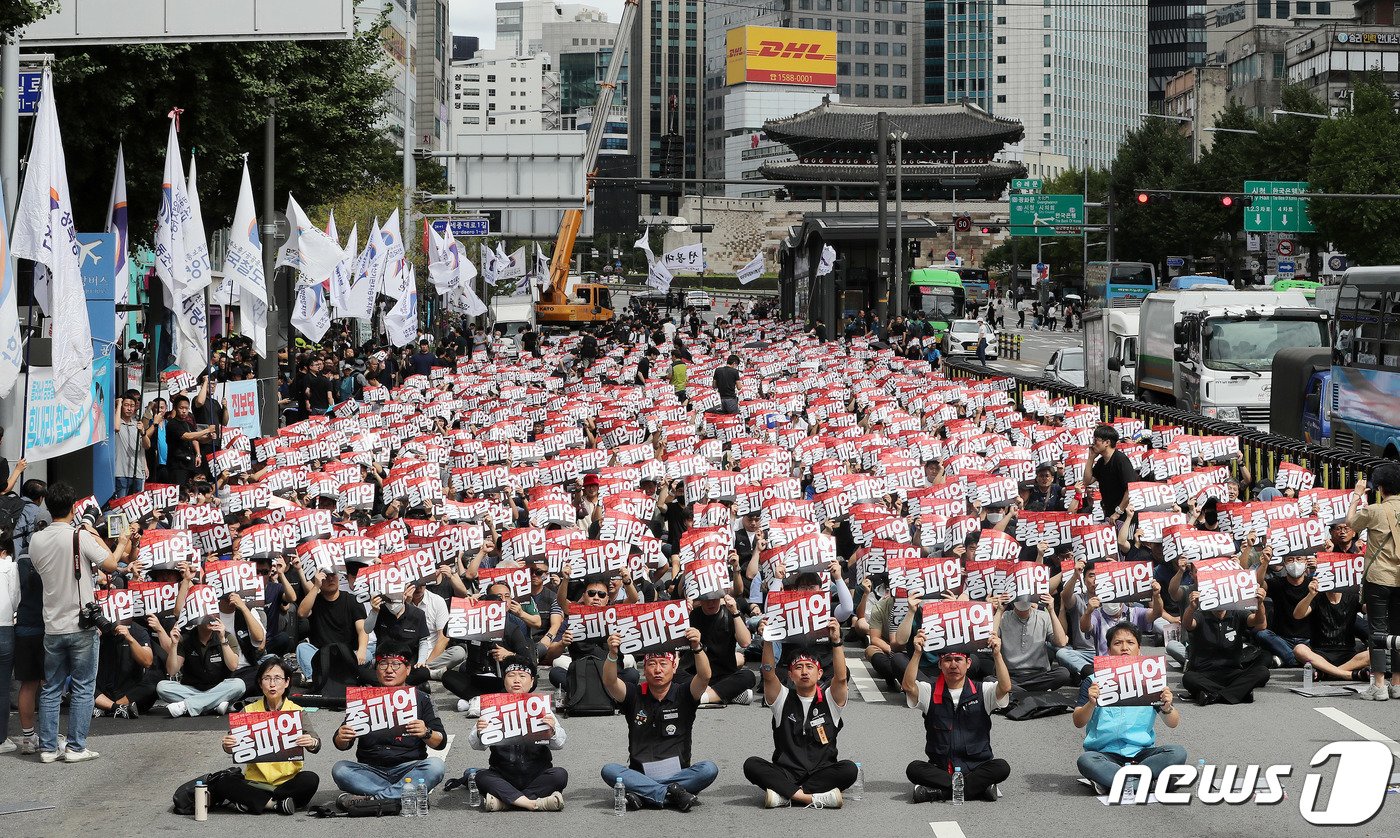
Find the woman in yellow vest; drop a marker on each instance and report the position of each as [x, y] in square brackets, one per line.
[280, 787]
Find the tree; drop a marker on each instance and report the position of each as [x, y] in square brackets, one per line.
[1156, 156]
[330, 106]
[1356, 153]
[17, 14]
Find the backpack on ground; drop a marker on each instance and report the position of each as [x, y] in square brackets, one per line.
[182, 802]
[584, 693]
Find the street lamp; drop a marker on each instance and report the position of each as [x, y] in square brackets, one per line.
[1195, 131]
[1231, 130]
[1278, 113]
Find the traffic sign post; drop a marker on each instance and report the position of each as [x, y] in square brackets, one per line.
[1026, 184]
[1277, 207]
[1286, 269]
[1047, 215]
[31, 84]
[1285, 247]
[463, 228]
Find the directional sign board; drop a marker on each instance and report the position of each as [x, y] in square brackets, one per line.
[1276, 207]
[1026, 184]
[463, 227]
[1286, 269]
[30, 85]
[1047, 215]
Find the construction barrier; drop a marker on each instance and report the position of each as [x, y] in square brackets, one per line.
[1260, 452]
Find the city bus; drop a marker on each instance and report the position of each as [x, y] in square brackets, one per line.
[976, 283]
[1365, 397]
[1118, 284]
[939, 294]
[1307, 286]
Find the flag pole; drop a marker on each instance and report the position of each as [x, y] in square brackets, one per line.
[28, 347]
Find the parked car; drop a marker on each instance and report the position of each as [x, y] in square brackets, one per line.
[962, 339]
[1067, 367]
[700, 300]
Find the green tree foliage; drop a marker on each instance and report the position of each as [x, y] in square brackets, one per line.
[17, 14]
[1357, 153]
[330, 102]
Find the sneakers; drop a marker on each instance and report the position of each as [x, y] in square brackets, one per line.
[8, 747]
[1395, 691]
[1375, 692]
[492, 803]
[177, 709]
[925, 794]
[127, 711]
[773, 800]
[345, 800]
[286, 806]
[48, 756]
[745, 697]
[552, 803]
[470, 706]
[1099, 788]
[221, 709]
[635, 802]
[678, 798]
[991, 795]
[29, 744]
[80, 756]
[826, 800]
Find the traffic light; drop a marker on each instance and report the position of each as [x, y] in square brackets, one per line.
[1227, 200]
[989, 230]
[1145, 198]
[915, 249]
[1232, 201]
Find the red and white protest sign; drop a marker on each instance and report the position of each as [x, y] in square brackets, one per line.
[1295, 537]
[118, 604]
[1150, 525]
[266, 736]
[385, 580]
[514, 718]
[791, 615]
[1151, 497]
[1028, 579]
[201, 606]
[956, 626]
[588, 622]
[1293, 476]
[600, 558]
[162, 549]
[1339, 571]
[649, 626]
[522, 545]
[996, 546]
[156, 599]
[1130, 680]
[480, 621]
[516, 579]
[1123, 581]
[926, 576]
[1093, 543]
[707, 579]
[1227, 590]
[370, 709]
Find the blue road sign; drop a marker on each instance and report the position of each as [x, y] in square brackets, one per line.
[30, 85]
[1176, 262]
[463, 227]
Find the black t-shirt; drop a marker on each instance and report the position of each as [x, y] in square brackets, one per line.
[116, 667]
[1330, 625]
[180, 450]
[320, 390]
[717, 638]
[1286, 597]
[1113, 476]
[333, 620]
[401, 631]
[727, 382]
[658, 731]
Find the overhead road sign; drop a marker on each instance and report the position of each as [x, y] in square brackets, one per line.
[1047, 215]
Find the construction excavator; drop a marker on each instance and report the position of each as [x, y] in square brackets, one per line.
[578, 304]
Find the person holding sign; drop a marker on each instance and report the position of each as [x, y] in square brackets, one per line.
[1218, 668]
[660, 715]
[205, 657]
[722, 631]
[1331, 649]
[1381, 522]
[1111, 470]
[390, 752]
[276, 786]
[1025, 631]
[1123, 734]
[805, 769]
[336, 620]
[522, 773]
[957, 725]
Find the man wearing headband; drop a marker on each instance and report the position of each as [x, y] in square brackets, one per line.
[957, 725]
[660, 715]
[806, 719]
[385, 758]
[522, 775]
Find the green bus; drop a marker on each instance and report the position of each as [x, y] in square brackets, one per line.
[1307, 286]
[939, 294]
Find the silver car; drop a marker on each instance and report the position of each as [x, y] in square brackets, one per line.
[1067, 366]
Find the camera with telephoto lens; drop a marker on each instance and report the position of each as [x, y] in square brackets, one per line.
[90, 617]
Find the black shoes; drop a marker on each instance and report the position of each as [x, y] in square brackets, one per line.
[678, 798]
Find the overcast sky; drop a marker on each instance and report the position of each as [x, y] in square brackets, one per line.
[478, 17]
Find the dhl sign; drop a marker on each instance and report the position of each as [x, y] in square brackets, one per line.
[771, 55]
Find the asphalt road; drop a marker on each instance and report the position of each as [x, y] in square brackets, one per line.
[1036, 349]
[127, 791]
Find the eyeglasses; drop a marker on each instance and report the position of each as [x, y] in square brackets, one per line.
[391, 665]
[274, 679]
[536, 571]
[595, 593]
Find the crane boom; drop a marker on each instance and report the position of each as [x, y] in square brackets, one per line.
[572, 219]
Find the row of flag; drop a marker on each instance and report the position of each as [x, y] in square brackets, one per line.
[687, 257]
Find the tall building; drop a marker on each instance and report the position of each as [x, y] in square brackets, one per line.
[505, 94]
[958, 49]
[1329, 60]
[667, 109]
[431, 61]
[394, 36]
[1256, 65]
[464, 47]
[520, 23]
[581, 50]
[1225, 21]
[1176, 41]
[1074, 74]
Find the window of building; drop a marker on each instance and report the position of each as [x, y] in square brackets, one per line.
[1001, 39]
[824, 24]
[1278, 65]
[901, 92]
[882, 91]
[843, 5]
[1047, 22]
[490, 78]
[882, 27]
[1045, 120]
[1304, 7]
[882, 71]
[1001, 59]
[862, 5]
[882, 48]
[1047, 80]
[901, 28]
[804, 5]
[1001, 21]
[843, 25]
[862, 27]
[1324, 8]
[843, 68]
[862, 48]
[1045, 60]
[843, 90]
[901, 49]
[863, 91]
[901, 71]
[1045, 100]
[804, 22]
[862, 68]
[1264, 9]
[1001, 100]
[1001, 79]
[823, 5]
[1281, 9]
[843, 47]
[1047, 41]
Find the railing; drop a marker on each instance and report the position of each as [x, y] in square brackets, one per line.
[1008, 346]
[1261, 452]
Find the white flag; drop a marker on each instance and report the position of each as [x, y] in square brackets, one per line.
[310, 314]
[541, 268]
[644, 244]
[753, 270]
[660, 276]
[11, 344]
[465, 301]
[689, 258]
[395, 281]
[195, 230]
[44, 233]
[319, 253]
[828, 260]
[444, 261]
[512, 266]
[358, 299]
[243, 266]
[344, 276]
[402, 320]
[490, 265]
[182, 260]
[117, 226]
[289, 254]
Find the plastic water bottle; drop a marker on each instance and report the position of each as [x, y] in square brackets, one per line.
[857, 789]
[1308, 676]
[201, 801]
[958, 782]
[473, 793]
[558, 699]
[408, 802]
[1130, 790]
[420, 790]
[619, 798]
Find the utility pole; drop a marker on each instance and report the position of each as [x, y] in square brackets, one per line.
[410, 173]
[9, 125]
[897, 279]
[275, 337]
[882, 250]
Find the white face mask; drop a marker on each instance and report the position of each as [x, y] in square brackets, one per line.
[993, 517]
[1023, 607]
[1295, 570]
[1113, 609]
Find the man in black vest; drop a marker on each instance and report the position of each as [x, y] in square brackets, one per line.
[957, 726]
[660, 715]
[806, 719]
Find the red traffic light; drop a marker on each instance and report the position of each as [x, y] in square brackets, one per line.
[1227, 200]
[1144, 198]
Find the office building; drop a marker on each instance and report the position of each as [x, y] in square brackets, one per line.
[432, 116]
[464, 47]
[520, 23]
[1176, 41]
[667, 108]
[505, 95]
[1256, 65]
[1329, 60]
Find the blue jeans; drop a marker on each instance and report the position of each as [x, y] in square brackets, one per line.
[198, 702]
[7, 668]
[67, 655]
[1281, 646]
[694, 779]
[305, 654]
[386, 782]
[1100, 767]
[124, 486]
[1073, 659]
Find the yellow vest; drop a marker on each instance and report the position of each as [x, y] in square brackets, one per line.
[270, 773]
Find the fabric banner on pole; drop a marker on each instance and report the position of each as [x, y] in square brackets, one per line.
[51, 428]
[753, 270]
[195, 283]
[344, 276]
[512, 266]
[541, 268]
[357, 299]
[243, 266]
[689, 258]
[828, 260]
[660, 277]
[310, 314]
[395, 282]
[644, 244]
[11, 343]
[319, 254]
[117, 226]
[402, 320]
[182, 260]
[490, 265]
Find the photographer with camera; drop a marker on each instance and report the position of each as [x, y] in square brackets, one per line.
[65, 556]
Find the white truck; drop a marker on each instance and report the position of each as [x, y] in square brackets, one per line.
[1211, 350]
[1110, 351]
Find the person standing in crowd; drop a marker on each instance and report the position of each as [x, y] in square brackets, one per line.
[65, 554]
[281, 787]
[679, 371]
[727, 385]
[805, 769]
[1111, 470]
[1121, 735]
[522, 775]
[984, 336]
[385, 758]
[1381, 522]
[184, 439]
[9, 604]
[129, 451]
[660, 714]
[957, 725]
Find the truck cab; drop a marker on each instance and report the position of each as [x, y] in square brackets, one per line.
[1317, 409]
[1110, 351]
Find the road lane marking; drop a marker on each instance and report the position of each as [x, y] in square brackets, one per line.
[863, 677]
[946, 829]
[1360, 729]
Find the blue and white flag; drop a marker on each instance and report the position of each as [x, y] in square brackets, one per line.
[11, 343]
[182, 261]
[243, 266]
[117, 226]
